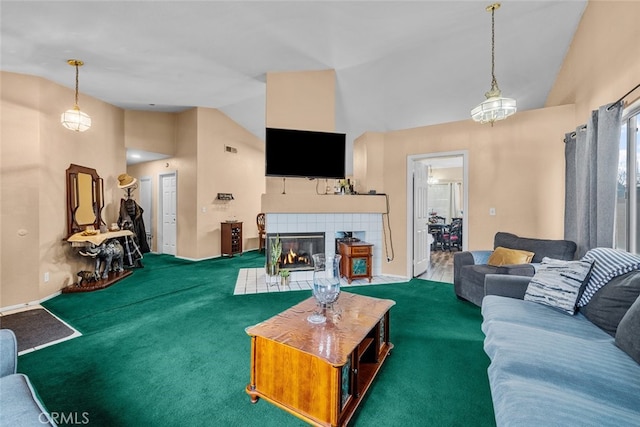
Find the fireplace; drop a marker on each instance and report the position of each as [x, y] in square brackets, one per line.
[297, 249]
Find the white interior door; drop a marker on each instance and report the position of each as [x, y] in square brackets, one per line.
[169, 190]
[421, 246]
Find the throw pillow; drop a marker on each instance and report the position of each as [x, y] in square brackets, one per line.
[609, 263]
[504, 256]
[607, 306]
[558, 283]
[628, 334]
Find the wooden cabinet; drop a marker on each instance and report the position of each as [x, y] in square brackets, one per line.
[231, 238]
[328, 367]
[356, 260]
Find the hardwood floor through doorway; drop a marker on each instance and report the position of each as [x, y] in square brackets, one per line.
[440, 267]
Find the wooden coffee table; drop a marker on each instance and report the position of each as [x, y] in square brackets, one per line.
[320, 373]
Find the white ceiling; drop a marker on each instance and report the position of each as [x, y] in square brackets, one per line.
[398, 64]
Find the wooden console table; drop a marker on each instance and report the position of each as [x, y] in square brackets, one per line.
[356, 260]
[80, 240]
[320, 373]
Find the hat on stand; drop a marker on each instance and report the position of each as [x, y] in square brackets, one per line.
[126, 180]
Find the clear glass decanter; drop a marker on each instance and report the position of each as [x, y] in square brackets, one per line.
[326, 285]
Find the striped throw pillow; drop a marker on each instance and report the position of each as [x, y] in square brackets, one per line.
[608, 263]
[559, 283]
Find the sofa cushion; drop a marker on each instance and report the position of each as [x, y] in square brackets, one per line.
[548, 368]
[506, 256]
[557, 249]
[558, 283]
[609, 263]
[607, 306]
[20, 405]
[524, 315]
[628, 332]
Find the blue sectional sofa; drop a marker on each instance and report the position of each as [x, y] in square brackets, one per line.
[19, 403]
[550, 368]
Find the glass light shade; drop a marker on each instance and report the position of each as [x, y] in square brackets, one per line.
[493, 109]
[75, 120]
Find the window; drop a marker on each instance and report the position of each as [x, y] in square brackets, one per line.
[627, 221]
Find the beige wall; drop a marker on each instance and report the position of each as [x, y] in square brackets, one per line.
[35, 152]
[603, 62]
[219, 171]
[150, 131]
[204, 168]
[300, 100]
[517, 166]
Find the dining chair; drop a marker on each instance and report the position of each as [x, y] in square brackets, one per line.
[260, 221]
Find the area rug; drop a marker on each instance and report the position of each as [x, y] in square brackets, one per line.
[36, 328]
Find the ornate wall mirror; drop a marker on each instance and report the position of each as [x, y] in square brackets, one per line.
[85, 199]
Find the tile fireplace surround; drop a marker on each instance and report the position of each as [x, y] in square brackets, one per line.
[365, 226]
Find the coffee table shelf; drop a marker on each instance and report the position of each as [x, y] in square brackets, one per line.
[320, 373]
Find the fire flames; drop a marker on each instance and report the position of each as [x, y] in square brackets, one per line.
[292, 258]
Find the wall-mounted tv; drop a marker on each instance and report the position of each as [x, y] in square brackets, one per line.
[304, 154]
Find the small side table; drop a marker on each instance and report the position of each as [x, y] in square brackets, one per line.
[356, 260]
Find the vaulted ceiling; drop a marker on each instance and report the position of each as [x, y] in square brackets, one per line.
[398, 64]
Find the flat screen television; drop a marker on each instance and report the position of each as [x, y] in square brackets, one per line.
[304, 154]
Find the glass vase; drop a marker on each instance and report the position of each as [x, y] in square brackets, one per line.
[326, 285]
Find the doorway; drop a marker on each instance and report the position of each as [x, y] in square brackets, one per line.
[167, 208]
[433, 180]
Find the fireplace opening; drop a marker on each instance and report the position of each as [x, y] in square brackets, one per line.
[297, 249]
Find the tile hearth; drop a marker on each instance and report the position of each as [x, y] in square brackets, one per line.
[254, 281]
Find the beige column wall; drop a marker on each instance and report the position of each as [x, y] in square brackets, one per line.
[219, 171]
[368, 162]
[35, 152]
[303, 100]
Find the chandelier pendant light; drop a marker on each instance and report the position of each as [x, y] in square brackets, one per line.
[495, 107]
[74, 119]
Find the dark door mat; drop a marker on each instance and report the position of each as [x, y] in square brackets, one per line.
[34, 328]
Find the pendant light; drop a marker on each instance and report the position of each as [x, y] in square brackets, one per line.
[74, 119]
[495, 107]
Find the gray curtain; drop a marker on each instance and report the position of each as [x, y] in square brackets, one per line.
[591, 161]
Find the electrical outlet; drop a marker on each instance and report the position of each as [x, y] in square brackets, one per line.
[492, 211]
[46, 277]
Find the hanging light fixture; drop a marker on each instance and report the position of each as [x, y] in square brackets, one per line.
[74, 119]
[495, 107]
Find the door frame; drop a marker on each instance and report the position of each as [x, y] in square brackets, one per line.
[465, 197]
[159, 224]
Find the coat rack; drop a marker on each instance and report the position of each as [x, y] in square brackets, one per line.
[129, 190]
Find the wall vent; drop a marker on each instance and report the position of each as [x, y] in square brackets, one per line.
[230, 149]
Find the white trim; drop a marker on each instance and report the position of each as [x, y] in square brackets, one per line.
[159, 237]
[30, 304]
[409, 187]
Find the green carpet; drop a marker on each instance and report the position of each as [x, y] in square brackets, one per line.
[166, 346]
